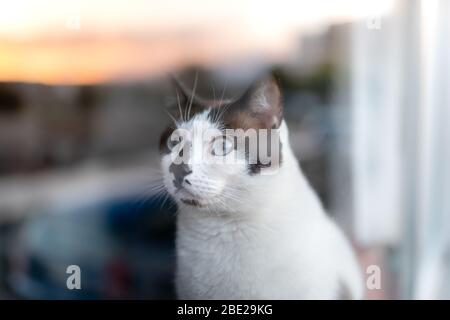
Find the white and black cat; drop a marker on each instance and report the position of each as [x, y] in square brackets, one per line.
[246, 229]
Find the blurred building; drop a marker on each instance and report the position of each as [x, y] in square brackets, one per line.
[50, 126]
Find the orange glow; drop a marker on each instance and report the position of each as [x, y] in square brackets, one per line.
[98, 59]
[83, 61]
[38, 45]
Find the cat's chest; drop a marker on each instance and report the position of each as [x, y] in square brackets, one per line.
[223, 243]
[250, 261]
[232, 259]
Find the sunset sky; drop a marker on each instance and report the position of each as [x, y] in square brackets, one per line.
[92, 41]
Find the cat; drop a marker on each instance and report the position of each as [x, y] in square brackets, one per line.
[246, 229]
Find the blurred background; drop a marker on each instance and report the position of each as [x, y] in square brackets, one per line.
[83, 93]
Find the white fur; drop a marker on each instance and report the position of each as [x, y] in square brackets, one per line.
[270, 239]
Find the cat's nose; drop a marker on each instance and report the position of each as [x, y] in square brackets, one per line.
[180, 171]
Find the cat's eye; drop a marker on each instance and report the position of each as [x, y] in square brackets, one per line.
[222, 146]
[172, 141]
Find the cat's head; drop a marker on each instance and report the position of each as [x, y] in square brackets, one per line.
[214, 151]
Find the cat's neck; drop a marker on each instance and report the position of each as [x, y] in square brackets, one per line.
[287, 191]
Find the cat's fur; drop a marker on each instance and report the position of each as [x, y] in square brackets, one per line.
[246, 235]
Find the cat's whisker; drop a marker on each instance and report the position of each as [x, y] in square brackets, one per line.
[214, 94]
[146, 195]
[152, 189]
[237, 194]
[166, 197]
[223, 92]
[229, 196]
[172, 117]
[192, 96]
[221, 112]
[224, 109]
[214, 105]
[217, 113]
[179, 107]
[228, 207]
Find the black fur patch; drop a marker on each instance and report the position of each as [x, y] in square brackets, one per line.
[193, 203]
[163, 141]
[255, 169]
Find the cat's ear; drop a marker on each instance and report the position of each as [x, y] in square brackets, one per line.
[262, 106]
